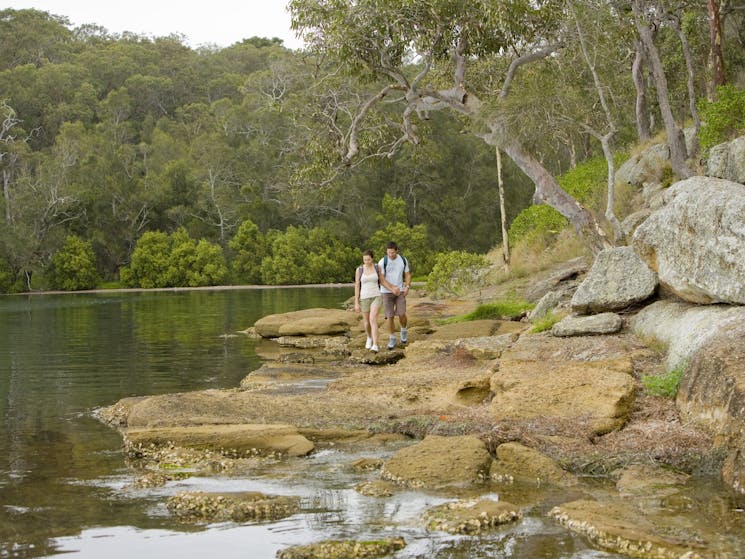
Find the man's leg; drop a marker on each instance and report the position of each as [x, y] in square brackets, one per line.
[389, 308]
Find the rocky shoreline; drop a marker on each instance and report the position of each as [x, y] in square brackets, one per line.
[489, 404]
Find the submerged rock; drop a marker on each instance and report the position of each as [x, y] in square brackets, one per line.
[235, 507]
[350, 549]
[471, 517]
[375, 488]
[621, 528]
[238, 440]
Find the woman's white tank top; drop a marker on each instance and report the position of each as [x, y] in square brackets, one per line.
[369, 287]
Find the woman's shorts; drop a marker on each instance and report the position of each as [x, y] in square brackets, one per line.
[366, 304]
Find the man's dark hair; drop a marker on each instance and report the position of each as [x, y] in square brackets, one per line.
[391, 244]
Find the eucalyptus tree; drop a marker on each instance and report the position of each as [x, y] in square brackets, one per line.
[422, 51]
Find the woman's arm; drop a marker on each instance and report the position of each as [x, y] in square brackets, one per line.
[357, 289]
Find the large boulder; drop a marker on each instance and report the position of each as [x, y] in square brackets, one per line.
[617, 279]
[712, 396]
[319, 322]
[727, 161]
[696, 242]
[684, 328]
[647, 166]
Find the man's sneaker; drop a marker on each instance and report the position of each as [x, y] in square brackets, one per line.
[391, 342]
[404, 337]
[368, 343]
[375, 349]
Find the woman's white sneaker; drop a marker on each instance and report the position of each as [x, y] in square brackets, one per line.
[368, 343]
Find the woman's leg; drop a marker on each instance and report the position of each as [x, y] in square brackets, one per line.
[373, 322]
[366, 321]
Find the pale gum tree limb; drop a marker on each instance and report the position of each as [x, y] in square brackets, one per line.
[459, 99]
[605, 139]
[641, 108]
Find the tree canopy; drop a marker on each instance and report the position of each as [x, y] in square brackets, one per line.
[108, 141]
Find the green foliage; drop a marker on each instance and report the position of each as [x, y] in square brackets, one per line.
[545, 323]
[249, 247]
[456, 272]
[304, 256]
[665, 385]
[723, 119]
[7, 277]
[74, 266]
[413, 242]
[176, 260]
[588, 180]
[149, 264]
[536, 224]
[500, 310]
[541, 223]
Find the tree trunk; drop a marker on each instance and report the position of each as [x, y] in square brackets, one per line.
[503, 213]
[642, 109]
[549, 191]
[688, 56]
[715, 38]
[675, 138]
[610, 213]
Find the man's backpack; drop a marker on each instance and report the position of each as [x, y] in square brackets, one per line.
[385, 262]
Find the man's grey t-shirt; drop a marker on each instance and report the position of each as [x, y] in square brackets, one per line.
[394, 271]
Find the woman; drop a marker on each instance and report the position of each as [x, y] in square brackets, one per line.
[368, 280]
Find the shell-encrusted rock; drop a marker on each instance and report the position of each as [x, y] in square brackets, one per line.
[235, 507]
[471, 517]
[618, 527]
[367, 464]
[333, 549]
[375, 488]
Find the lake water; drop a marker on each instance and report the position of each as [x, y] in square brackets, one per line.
[65, 486]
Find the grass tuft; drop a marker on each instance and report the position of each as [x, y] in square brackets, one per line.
[665, 385]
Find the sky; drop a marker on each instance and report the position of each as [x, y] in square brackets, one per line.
[220, 22]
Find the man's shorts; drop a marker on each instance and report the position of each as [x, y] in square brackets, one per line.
[394, 305]
[366, 304]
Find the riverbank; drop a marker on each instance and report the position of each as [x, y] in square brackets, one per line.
[546, 411]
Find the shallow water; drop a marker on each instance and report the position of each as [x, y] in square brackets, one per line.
[65, 486]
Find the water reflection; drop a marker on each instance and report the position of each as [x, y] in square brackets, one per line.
[62, 356]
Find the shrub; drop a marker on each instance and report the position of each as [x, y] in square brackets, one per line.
[148, 267]
[302, 256]
[545, 323]
[724, 118]
[74, 266]
[456, 272]
[249, 247]
[665, 385]
[176, 260]
[536, 224]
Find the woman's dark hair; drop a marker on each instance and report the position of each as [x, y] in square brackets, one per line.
[369, 253]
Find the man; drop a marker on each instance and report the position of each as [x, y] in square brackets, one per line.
[396, 270]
